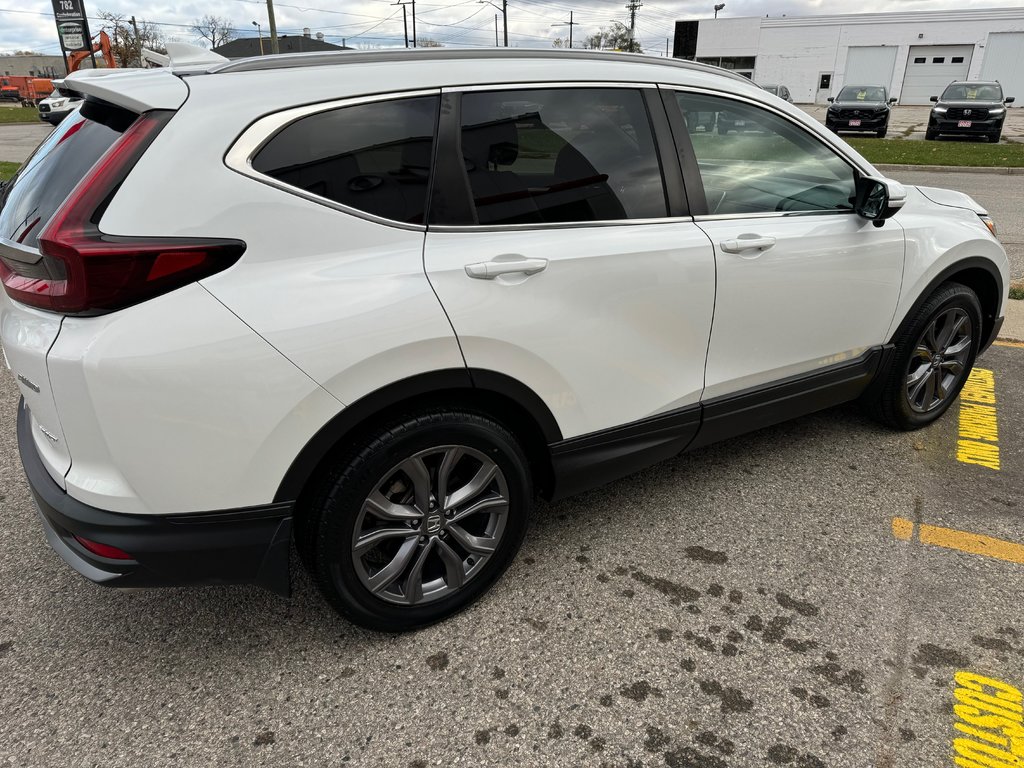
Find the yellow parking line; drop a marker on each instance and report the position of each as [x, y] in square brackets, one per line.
[1015, 344]
[979, 429]
[963, 541]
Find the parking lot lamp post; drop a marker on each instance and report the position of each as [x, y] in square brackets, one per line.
[259, 31]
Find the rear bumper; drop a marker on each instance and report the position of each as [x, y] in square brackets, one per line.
[244, 546]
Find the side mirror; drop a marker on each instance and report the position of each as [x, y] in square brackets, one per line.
[934, 99]
[879, 199]
[892, 101]
[830, 99]
[1009, 100]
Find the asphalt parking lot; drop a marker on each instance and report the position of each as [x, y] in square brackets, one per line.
[748, 604]
[804, 596]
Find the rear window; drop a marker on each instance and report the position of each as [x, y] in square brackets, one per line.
[58, 164]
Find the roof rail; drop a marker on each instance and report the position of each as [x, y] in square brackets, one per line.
[331, 58]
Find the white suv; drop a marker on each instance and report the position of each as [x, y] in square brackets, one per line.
[383, 299]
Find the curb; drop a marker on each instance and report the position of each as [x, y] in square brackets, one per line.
[951, 169]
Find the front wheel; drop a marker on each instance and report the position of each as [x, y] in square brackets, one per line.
[934, 353]
[420, 522]
[931, 134]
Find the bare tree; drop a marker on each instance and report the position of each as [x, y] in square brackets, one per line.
[214, 30]
[426, 42]
[124, 41]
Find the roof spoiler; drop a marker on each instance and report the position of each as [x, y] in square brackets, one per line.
[182, 56]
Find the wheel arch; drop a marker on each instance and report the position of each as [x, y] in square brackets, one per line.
[508, 401]
[979, 274]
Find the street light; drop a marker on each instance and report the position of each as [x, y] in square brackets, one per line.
[259, 31]
[719, 7]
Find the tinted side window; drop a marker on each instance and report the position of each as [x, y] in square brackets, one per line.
[753, 161]
[373, 157]
[561, 155]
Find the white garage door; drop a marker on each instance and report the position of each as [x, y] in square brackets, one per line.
[930, 68]
[1004, 61]
[870, 65]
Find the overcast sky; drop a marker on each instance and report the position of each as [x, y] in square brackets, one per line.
[28, 24]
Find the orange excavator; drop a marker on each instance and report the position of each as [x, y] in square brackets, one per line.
[77, 59]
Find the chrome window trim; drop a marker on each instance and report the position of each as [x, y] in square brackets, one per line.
[821, 136]
[531, 227]
[239, 156]
[769, 215]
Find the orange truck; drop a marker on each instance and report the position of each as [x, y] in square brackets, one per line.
[27, 90]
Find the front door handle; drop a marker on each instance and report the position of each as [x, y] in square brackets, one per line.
[488, 270]
[747, 242]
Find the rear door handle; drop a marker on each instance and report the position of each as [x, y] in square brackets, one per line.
[747, 242]
[488, 270]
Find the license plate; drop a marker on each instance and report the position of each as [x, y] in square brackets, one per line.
[855, 123]
[740, 123]
[964, 124]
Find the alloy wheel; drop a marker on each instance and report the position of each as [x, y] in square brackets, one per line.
[430, 525]
[939, 360]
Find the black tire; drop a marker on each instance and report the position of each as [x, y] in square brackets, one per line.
[327, 532]
[722, 129]
[891, 403]
[994, 137]
[930, 135]
[881, 133]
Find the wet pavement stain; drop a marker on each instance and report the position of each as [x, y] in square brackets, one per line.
[799, 646]
[604, 578]
[688, 664]
[784, 754]
[776, 628]
[803, 607]
[538, 624]
[853, 679]
[728, 649]
[656, 739]
[347, 672]
[704, 643]
[598, 744]
[438, 661]
[735, 596]
[714, 741]
[512, 729]
[482, 737]
[497, 673]
[606, 700]
[706, 555]
[716, 590]
[994, 644]
[677, 593]
[936, 656]
[264, 738]
[5, 648]
[839, 732]
[732, 699]
[754, 623]
[688, 757]
[502, 693]
[640, 691]
[583, 731]
[555, 730]
[907, 735]
[664, 634]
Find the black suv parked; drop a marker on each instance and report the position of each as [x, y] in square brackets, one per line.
[862, 108]
[969, 109]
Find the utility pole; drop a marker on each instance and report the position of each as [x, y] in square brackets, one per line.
[414, 43]
[495, 30]
[138, 41]
[570, 24]
[275, 48]
[504, 14]
[632, 6]
[405, 22]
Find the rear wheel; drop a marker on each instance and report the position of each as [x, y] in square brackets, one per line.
[420, 522]
[934, 353]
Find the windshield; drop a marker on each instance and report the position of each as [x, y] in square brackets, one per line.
[973, 92]
[862, 93]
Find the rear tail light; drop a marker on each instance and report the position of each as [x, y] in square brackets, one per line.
[83, 271]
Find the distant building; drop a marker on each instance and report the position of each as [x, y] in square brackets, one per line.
[32, 65]
[915, 54]
[243, 47]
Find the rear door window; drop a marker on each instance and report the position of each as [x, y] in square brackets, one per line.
[561, 155]
[58, 164]
[373, 157]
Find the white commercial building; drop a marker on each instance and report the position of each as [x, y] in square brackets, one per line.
[915, 54]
